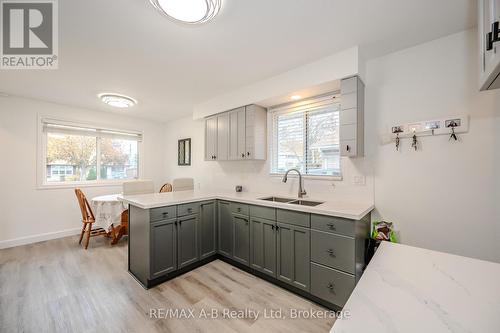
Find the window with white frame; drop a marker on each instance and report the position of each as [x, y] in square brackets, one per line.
[76, 154]
[305, 136]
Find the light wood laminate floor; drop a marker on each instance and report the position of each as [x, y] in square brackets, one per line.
[56, 286]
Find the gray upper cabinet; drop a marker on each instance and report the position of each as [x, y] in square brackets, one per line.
[225, 229]
[255, 132]
[351, 117]
[263, 245]
[489, 13]
[241, 239]
[222, 137]
[236, 133]
[163, 244]
[208, 229]
[187, 239]
[293, 255]
[211, 138]
[240, 134]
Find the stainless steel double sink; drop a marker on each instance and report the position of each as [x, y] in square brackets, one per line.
[293, 201]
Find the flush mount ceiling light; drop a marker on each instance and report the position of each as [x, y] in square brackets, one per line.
[296, 97]
[117, 100]
[188, 11]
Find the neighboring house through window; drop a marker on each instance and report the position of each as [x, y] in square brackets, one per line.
[305, 136]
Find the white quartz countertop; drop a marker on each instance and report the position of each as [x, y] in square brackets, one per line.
[408, 289]
[351, 210]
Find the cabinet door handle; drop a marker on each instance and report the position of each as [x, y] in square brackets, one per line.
[248, 153]
[190, 210]
[175, 222]
[242, 155]
[331, 253]
[272, 227]
[165, 214]
[347, 148]
[495, 29]
[489, 41]
[493, 36]
[331, 286]
[331, 226]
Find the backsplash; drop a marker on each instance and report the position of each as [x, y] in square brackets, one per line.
[254, 175]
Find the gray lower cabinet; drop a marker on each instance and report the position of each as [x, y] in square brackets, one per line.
[208, 229]
[225, 229]
[293, 255]
[187, 240]
[322, 255]
[163, 237]
[263, 245]
[241, 239]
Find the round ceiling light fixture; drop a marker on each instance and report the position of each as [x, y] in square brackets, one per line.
[188, 11]
[117, 100]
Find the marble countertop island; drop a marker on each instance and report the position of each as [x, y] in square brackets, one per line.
[350, 210]
[408, 289]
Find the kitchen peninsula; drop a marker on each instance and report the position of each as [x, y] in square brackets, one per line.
[315, 248]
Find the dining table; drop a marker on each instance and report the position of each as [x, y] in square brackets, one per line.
[111, 214]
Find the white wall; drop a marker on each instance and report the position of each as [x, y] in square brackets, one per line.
[329, 69]
[28, 213]
[445, 196]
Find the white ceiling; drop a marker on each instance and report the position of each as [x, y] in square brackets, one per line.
[126, 46]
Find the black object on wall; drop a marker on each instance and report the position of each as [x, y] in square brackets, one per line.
[184, 152]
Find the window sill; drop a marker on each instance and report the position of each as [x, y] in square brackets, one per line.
[57, 186]
[311, 177]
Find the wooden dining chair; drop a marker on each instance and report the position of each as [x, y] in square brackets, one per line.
[166, 188]
[87, 219]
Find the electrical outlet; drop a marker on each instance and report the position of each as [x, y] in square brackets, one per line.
[359, 180]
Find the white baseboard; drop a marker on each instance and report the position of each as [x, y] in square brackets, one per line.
[38, 238]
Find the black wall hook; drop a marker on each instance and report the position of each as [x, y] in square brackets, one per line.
[414, 142]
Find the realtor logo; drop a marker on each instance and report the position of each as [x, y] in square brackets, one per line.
[29, 34]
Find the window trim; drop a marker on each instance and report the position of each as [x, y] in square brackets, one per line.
[314, 102]
[41, 181]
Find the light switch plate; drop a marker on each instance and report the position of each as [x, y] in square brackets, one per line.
[359, 180]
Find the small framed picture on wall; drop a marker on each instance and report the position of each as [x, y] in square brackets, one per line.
[184, 152]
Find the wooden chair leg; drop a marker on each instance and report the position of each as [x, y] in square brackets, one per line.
[82, 233]
[88, 235]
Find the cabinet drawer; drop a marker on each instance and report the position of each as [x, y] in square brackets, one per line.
[331, 285]
[239, 208]
[163, 213]
[263, 212]
[188, 209]
[333, 250]
[293, 217]
[333, 224]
